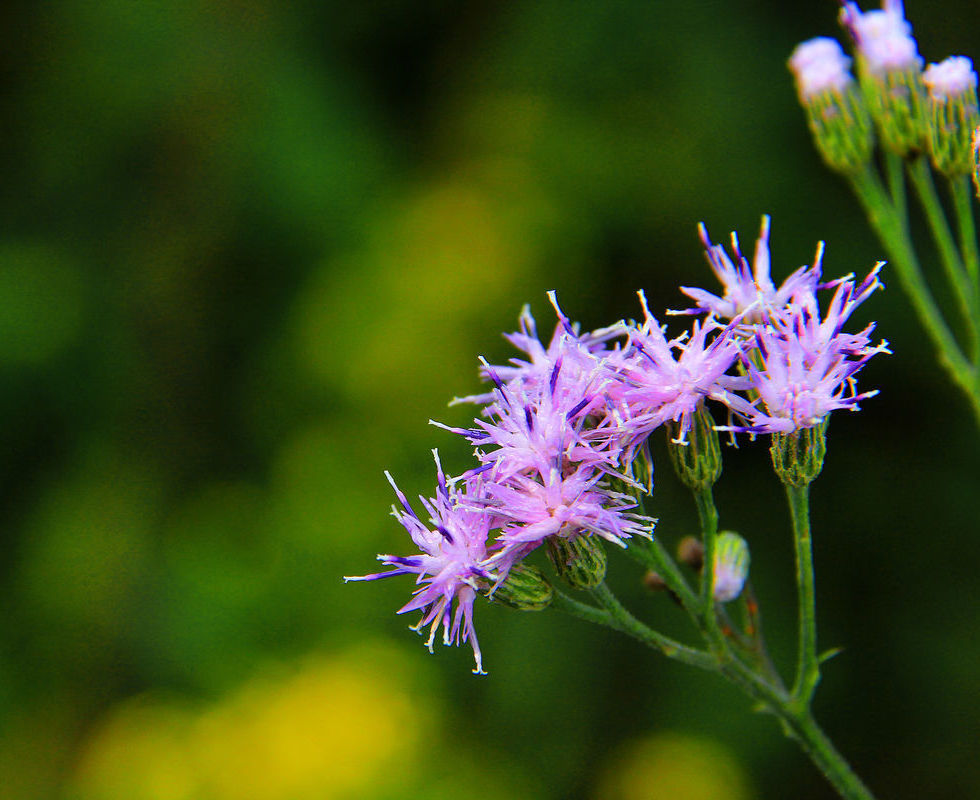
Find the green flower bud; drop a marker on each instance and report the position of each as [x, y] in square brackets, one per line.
[697, 462]
[731, 566]
[580, 561]
[835, 111]
[525, 588]
[841, 128]
[898, 104]
[953, 114]
[797, 457]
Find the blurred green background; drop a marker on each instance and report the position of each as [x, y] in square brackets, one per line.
[249, 248]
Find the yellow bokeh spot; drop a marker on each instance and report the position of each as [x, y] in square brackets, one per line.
[341, 727]
[673, 766]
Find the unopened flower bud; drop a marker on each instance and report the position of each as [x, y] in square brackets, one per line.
[525, 588]
[797, 457]
[697, 460]
[890, 73]
[580, 560]
[835, 111]
[953, 116]
[690, 551]
[731, 566]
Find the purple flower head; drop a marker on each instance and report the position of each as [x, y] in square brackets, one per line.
[950, 78]
[883, 38]
[532, 508]
[819, 65]
[802, 367]
[533, 428]
[576, 357]
[453, 558]
[749, 291]
[654, 386]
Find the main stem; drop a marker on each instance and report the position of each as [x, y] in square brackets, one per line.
[807, 664]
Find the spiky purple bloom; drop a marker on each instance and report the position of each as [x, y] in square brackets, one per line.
[819, 65]
[883, 37]
[578, 503]
[654, 386]
[748, 290]
[571, 359]
[802, 367]
[451, 563]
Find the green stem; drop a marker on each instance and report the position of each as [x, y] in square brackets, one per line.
[962, 201]
[895, 169]
[824, 755]
[614, 615]
[921, 178]
[894, 238]
[708, 516]
[653, 556]
[807, 664]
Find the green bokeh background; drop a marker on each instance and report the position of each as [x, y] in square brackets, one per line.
[248, 249]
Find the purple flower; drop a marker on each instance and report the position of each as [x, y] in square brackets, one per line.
[801, 367]
[653, 386]
[532, 508]
[568, 365]
[819, 65]
[450, 566]
[883, 38]
[749, 291]
[531, 433]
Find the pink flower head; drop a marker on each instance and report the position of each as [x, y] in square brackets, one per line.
[749, 291]
[453, 558]
[654, 386]
[883, 37]
[576, 355]
[532, 508]
[819, 65]
[807, 364]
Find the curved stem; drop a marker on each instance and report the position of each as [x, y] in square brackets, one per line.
[614, 615]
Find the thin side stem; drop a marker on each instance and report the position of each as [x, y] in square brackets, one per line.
[614, 615]
[893, 237]
[921, 178]
[708, 517]
[807, 664]
[962, 202]
[895, 170]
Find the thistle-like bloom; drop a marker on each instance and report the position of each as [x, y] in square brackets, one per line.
[576, 356]
[749, 290]
[819, 65]
[450, 567]
[533, 508]
[802, 367]
[950, 78]
[883, 37]
[653, 386]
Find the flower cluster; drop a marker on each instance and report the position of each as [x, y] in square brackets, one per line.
[562, 429]
[914, 110]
